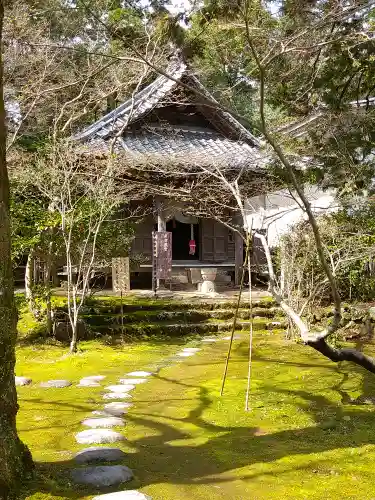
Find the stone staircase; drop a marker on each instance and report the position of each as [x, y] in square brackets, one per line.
[173, 319]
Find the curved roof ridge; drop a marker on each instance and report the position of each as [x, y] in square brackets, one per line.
[149, 97]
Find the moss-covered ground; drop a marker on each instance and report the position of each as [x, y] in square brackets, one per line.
[302, 438]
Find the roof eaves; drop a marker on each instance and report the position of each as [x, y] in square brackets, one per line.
[299, 128]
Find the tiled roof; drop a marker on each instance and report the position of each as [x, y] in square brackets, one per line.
[150, 97]
[187, 146]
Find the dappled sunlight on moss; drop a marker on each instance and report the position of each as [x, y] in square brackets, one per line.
[301, 438]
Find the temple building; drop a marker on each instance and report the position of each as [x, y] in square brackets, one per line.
[172, 121]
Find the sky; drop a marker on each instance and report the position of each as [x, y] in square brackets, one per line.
[177, 6]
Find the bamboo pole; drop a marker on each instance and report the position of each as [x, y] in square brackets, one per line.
[235, 319]
[251, 330]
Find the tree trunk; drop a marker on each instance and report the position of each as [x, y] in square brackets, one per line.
[47, 284]
[73, 343]
[29, 282]
[15, 458]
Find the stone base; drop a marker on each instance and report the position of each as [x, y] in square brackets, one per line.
[207, 287]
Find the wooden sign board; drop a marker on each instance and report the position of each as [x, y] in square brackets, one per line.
[120, 274]
[162, 254]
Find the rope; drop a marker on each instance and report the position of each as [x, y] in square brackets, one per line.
[235, 316]
[251, 331]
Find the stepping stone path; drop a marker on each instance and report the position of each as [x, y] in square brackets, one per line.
[117, 395]
[98, 436]
[102, 476]
[120, 388]
[134, 381]
[236, 337]
[139, 374]
[97, 423]
[59, 384]
[124, 495]
[97, 454]
[23, 381]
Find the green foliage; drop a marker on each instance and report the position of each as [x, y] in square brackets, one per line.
[30, 220]
[114, 240]
[127, 23]
[344, 145]
[217, 44]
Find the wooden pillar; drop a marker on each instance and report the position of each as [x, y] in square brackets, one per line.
[162, 223]
[162, 226]
[238, 253]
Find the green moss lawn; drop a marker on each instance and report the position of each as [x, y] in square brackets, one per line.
[302, 438]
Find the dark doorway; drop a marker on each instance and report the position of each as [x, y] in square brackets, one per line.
[181, 235]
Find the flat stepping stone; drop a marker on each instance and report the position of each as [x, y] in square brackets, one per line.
[124, 495]
[98, 436]
[134, 381]
[191, 349]
[139, 374]
[101, 413]
[23, 381]
[103, 423]
[120, 388]
[236, 337]
[185, 354]
[102, 476]
[109, 413]
[88, 383]
[117, 408]
[117, 395]
[96, 378]
[209, 340]
[97, 454]
[59, 384]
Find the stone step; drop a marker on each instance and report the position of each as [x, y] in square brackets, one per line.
[177, 316]
[182, 329]
[113, 306]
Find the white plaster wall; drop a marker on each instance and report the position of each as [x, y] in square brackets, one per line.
[278, 212]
